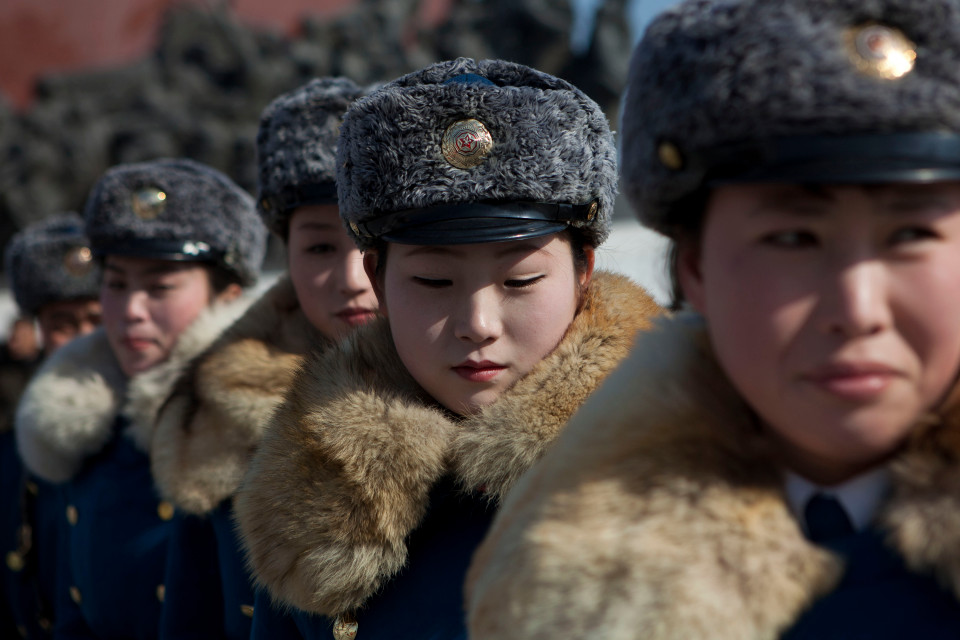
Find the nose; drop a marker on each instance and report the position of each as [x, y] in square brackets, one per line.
[135, 308]
[353, 280]
[854, 301]
[478, 319]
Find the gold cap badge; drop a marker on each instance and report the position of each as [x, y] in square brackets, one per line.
[466, 143]
[149, 203]
[78, 262]
[881, 51]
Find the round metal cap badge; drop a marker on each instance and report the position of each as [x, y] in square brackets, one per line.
[466, 143]
[881, 51]
[78, 261]
[149, 203]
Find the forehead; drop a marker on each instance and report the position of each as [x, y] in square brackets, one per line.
[802, 199]
[517, 250]
[131, 266]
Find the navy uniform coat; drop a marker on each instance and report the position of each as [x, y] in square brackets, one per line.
[366, 500]
[661, 514]
[204, 435]
[94, 441]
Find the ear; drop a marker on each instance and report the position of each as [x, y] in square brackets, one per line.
[690, 275]
[230, 293]
[370, 260]
[587, 274]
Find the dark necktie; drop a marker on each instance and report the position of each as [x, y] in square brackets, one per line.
[826, 518]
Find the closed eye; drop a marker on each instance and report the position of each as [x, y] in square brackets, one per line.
[790, 239]
[521, 283]
[432, 283]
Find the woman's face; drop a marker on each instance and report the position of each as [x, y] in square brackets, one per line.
[833, 311]
[146, 306]
[470, 320]
[327, 271]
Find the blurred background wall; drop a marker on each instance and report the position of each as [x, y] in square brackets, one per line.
[86, 84]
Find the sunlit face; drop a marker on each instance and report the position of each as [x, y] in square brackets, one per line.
[470, 320]
[833, 311]
[146, 306]
[62, 321]
[327, 271]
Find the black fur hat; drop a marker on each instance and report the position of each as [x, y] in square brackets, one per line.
[176, 210]
[51, 261]
[297, 146]
[802, 91]
[475, 151]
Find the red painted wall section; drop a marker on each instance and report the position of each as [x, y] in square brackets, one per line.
[42, 36]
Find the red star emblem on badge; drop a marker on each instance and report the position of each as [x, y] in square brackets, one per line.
[466, 143]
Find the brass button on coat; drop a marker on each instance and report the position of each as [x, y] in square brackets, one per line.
[75, 595]
[72, 515]
[15, 561]
[161, 592]
[165, 510]
[246, 610]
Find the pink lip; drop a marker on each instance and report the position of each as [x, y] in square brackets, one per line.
[856, 381]
[483, 371]
[355, 317]
[137, 344]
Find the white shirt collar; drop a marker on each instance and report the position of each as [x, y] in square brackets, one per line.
[860, 496]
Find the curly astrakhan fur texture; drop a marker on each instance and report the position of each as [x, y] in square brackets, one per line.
[210, 425]
[710, 73]
[67, 412]
[202, 207]
[343, 473]
[660, 514]
[297, 148]
[551, 143]
[42, 266]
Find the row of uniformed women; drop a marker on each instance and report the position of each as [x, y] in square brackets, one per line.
[478, 192]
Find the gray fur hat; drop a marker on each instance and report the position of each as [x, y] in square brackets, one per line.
[51, 261]
[475, 151]
[176, 210]
[801, 91]
[297, 146]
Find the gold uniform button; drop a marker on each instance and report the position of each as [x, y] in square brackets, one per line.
[161, 592]
[72, 515]
[75, 595]
[22, 630]
[670, 156]
[165, 510]
[15, 561]
[246, 610]
[45, 624]
[32, 488]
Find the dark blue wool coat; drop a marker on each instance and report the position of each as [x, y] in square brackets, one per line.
[209, 590]
[113, 546]
[879, 598]
[29, 569]
[425, 600]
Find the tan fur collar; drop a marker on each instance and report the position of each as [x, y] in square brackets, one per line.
[343, 474]
[660, 515]
[209, 427]
[68, 410]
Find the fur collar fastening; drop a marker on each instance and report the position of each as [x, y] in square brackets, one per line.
[68, 410]
[660, 514]
[209, 427]
[343, 474]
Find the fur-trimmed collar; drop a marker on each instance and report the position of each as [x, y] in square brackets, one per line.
[343, 474]
[660, 514]
[209, 427]
[68, 410]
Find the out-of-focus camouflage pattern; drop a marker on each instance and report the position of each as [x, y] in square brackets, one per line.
[201, 92]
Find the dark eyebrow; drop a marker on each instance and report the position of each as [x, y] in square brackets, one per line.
[794, 199]
[320, 226]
